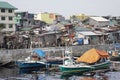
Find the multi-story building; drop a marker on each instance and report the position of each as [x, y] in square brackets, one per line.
[24, 19]
[7, 16]
[48, 17]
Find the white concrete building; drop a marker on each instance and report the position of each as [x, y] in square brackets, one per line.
[7, 17]
[37, 16]
[99, 21]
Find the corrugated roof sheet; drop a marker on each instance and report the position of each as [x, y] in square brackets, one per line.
[6, 5]
[99, 18]
[81, 29]
[65, 22]
[26, 29]
[89, 33]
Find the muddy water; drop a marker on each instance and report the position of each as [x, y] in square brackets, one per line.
[37, 74]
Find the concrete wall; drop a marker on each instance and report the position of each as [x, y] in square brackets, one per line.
[7, 55]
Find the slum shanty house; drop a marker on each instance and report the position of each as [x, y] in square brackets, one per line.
[49, 39]
[45, 35]
[113, 34]
[8, 41]
[52, 35]
[90, 37]
[68, 26]
[98, 21]
[68, 35]
[15, 41]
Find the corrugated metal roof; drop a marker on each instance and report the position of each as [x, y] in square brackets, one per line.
[65, 22]
[90, 33]
[99, 18]
[81, 29]
[26, 29]
[47, 33]
[6, 5]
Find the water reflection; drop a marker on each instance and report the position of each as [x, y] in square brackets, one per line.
[96, 76]
[113, 75]
[38, 74]
[28, 70]
[8, 72]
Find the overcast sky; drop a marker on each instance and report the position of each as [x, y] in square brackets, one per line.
[69, 7]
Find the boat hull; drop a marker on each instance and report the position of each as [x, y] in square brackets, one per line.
[82, 69]
[76, 69]
[115, 58]
[22, 64]
[103, 65]
[55, 62]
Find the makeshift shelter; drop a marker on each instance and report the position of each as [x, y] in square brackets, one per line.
[39, 52]
[92, 56]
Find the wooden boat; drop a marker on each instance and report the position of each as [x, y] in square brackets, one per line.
[30, 64]
[95, 58]
[115, 58]
[115, 54]
[34, 60]
[77, 68]
[38, 59]
[69, 66]
[91, 60]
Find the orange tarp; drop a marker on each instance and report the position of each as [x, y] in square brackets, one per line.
[102, 53]
[92, 56]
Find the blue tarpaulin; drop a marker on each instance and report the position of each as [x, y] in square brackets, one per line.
[80, 41]
[117, 45]
[39, 52]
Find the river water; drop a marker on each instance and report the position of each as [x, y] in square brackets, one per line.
[37, 74]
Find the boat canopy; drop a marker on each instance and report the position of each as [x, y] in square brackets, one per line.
[92, 56]
[39, 52]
